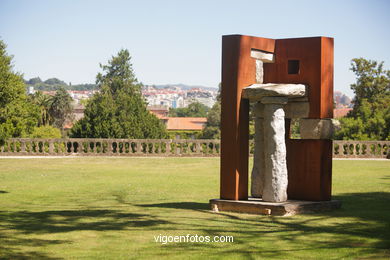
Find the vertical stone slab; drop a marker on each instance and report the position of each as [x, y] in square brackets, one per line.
[238, 71]
[309, 161]
[257, 177]
[275, 170]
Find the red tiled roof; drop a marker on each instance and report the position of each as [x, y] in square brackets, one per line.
[159, 111]
[175, 123]
[185, 123]
[340, 112]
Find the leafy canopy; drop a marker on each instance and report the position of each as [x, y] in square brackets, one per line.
[18, 117]
[195, 109]
[212, 129]
[53, 110]
[370, 117]
[118, 110]
[45, 131]
[61, 108]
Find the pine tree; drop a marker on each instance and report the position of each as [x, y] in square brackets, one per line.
[118, 110]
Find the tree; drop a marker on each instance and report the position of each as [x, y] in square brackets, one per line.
[372, 82]
[118, 110]
[55, 81]
[34, 81]
[53, 110]
[370, 117]
[212, 129]
[61, 109]
[44, 102]
[45, 131]
[17, 116]
[54, 84]
[195, 109]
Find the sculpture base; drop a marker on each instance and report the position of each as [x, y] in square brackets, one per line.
[258, 206]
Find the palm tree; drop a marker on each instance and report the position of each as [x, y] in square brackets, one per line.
[61, 108]
[44, 103]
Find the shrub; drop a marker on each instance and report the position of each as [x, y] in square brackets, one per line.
[45, 132]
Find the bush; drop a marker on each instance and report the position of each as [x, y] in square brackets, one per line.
[189, 134]
[45, 132]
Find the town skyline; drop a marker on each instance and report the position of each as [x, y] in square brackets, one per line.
[173, 41]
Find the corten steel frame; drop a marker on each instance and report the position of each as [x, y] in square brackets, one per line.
[309, 162]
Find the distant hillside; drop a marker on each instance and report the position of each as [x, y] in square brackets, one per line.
[54, 84]
[183, 86]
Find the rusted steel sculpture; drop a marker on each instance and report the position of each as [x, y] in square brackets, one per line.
[285, 78]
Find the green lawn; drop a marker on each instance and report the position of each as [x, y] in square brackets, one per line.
[111, 208]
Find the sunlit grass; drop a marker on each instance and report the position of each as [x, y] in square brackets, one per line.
[112, 208]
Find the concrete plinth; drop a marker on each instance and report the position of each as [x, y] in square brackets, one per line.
[287, 208]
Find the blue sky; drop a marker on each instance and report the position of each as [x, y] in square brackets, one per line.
[180, 41]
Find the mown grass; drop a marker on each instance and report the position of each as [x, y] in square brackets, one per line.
[111, 208]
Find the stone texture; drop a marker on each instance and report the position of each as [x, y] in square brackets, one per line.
[257, 177]
[275, 167]
[259, 71]
[276, 191]
[274, 100]
[297, 109]
[292, 109]
[263, 56]
[299, 99]
[316, 128]
[258, 91]
[259, 207]
[258, 110]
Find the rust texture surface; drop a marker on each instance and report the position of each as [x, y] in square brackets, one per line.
[315, 56]
[238, 71]
[309, 165]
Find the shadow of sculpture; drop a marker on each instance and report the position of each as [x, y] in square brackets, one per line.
[361, 208]
[72, 220]
[366, 227]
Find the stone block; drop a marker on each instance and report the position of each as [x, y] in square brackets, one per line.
[274, 100]
[258, 169]
[258, 110]
[260, 207]
[316, 128]
[297, 109]
[265, 57]
[259, 71]
[258, 91]
[275, 166]
[291, 109]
